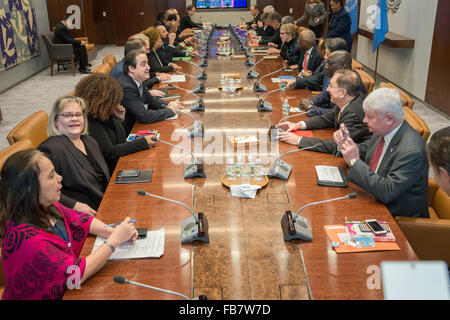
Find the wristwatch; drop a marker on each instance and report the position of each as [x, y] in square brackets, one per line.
[352, 162]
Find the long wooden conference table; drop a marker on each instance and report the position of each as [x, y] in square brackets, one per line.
[246, 257]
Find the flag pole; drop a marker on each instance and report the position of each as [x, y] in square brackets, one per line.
[376, 66]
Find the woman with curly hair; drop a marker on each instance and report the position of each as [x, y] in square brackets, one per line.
[102, 94]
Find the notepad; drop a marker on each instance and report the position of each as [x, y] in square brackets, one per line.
[176, 78]
[330, 176]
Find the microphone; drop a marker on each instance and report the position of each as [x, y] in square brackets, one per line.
[252, 74]
[300, 229]
[196, 130]
[199, 105]
[194, 228]
[258, 87]
[200, 88]
[274, 130]
[281, 169]
[122, 280]
[262, 104]
[202, 75]
[192, 170]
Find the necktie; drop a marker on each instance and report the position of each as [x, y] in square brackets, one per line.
[140, 90]
[305, 61]
[377, 155]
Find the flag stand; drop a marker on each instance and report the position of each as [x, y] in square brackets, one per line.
[376, 66]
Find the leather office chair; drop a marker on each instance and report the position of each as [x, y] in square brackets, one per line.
[417, 123]
[301, 29]
[103, 68]
[430, 237]
[109, 59]
[356, 65]
[368, 81]
[33, 127]
[58, 53]
[406, 99]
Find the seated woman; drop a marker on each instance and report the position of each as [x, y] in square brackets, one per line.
[42, 239]
[290, 49]
[75, 155]
[156, 62]
[102, 94]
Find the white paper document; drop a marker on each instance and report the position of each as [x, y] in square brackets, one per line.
[245, 139]
[329, 174]
[150, 247]
[176, 78]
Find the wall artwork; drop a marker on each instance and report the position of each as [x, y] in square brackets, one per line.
[19, 37]
[393, 6]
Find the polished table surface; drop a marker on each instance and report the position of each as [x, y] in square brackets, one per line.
[246, 257]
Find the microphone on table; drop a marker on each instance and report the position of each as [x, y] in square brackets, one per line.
[258, 87]
[252, 74]
[192, 170]
[194, 228]
[262, 104]
[202, 75]
[281, 169]
[274, 130]
[196, 130]
[198, 105]
[298, 227]
[122, 280]
[199, 88]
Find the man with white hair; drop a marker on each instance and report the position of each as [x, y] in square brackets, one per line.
[392, 165]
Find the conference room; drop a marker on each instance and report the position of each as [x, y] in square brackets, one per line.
[222, 176]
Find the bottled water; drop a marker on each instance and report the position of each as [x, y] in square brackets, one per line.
[285, 108]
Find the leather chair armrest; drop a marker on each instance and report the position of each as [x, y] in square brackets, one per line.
[83, 39]
[432, 189]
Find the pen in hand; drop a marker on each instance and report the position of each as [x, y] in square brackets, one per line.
[117, 223]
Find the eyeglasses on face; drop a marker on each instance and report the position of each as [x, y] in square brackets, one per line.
[70, 115]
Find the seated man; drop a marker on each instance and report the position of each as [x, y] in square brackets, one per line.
[345, 93]
[167, 50]
[63, 35]
[321, 103]
[186, 19]
[140, 105]
[155, 77]
[274, 20]
[310, 58]
[392, 165]
[438, 150]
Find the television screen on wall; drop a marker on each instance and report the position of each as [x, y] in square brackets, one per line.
[221, 4]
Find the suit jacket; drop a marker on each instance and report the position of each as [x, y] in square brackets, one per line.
[275, 38]
[402, 178]
[186, 22]
[313, 12]
[255, 20]
[134, 104]
[352, 116]
[314, 61]
[313, 82]
[111, 138]
[265, 32]
[79, 183]
[158, 63]
[339, 27]
[117, 71]
[168, 52]
[63, 35]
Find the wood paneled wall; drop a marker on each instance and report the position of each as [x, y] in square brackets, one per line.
[438, 85]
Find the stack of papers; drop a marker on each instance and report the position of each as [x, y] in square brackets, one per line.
[244, 190]
[150, 247]
[176, 78]
[328, 174]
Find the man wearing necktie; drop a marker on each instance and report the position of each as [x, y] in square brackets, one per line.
[392, 165]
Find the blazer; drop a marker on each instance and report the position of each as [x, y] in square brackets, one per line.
[135, 105]
[255, 20]
[313, 12]
[117, 71]
[275, 38]
[352, 116]
[79, 183]
[167, 52]
[339, 27]
[186, 22]
[313, 82]
[111, 138]
[314, 61]
[62, 35]
[401, 181]
[158, 63]
[265, 32]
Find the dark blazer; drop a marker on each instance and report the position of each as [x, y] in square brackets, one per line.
[186, 22]
[63, 35]
[402, 178]
[134, 105]
[158, 63]
[117, 71]
[352, 116]
[313, 82]
[339, 27]
[111, 138]
[315, 60]
[79, 183]
[275, 38]
[168, 52]
[255, 20]
[266, 32]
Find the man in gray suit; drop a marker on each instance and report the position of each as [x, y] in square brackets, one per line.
[392, 165]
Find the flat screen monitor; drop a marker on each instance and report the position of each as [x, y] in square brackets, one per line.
[222, 4]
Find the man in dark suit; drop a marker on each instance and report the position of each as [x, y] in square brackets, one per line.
[345, 93]
[186, 19]
[392, 165]
[310, 58]
[274, 41]
[63, 36]
[254, 11]
[140, 105]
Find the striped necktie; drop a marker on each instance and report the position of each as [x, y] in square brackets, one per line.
[376, 155]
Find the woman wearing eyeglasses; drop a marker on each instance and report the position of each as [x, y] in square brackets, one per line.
[75, 155]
